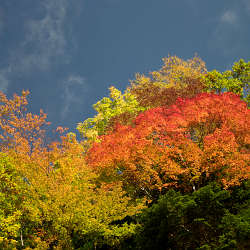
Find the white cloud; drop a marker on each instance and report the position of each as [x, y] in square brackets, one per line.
[44, 43]
[44, 39]
[73, 89]
[229, 17]
[227, 36]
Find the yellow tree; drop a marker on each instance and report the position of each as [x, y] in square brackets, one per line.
[11, 194]
[62, 195]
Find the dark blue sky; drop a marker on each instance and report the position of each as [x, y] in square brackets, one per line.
[68, 52]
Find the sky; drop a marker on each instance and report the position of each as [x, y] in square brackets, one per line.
[67, 53]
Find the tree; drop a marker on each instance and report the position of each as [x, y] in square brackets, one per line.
[174, 133]
[61, 196]
[11, 195]
[19, 130]
[210, 218]
[70, 201]
[107, 108]
[235, 80]
[176, 78]
[186, 145]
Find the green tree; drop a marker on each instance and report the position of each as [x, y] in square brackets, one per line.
[236, 80]
[107, 108]
[210, 218]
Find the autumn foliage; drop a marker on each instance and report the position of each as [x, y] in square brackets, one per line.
[18, 126]
[55, 194]
[181, 132]
[176, 78]
[185, 145]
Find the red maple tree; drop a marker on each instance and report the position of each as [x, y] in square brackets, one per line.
[195, 140]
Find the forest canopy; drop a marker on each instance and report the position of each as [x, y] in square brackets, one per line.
[164, 165]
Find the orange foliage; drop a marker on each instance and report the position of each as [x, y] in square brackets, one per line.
[193, 141]
[19, 130]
